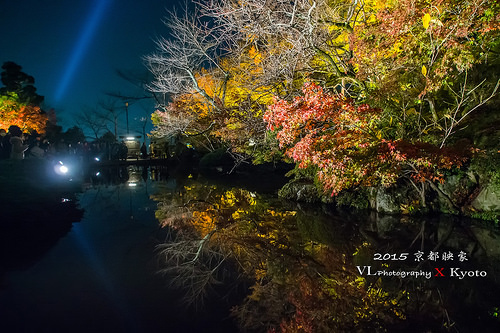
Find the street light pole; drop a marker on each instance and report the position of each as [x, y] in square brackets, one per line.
[126, 111]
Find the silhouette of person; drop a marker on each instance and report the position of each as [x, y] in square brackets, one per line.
[17, 142]
[5, 146]
[144, 150]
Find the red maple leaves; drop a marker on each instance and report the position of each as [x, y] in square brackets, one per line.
[344, 142]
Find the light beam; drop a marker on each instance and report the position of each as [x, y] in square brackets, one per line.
[89, 29]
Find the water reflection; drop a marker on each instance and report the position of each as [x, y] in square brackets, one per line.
[282, 267]
[101, 274]
[318, 269]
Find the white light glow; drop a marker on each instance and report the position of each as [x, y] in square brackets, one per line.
[63, 169]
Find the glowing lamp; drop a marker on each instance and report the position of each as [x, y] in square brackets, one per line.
[63, 169]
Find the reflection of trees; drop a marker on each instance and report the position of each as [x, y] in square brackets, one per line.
[298, 284]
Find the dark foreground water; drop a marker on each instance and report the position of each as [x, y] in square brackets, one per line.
[304, 268]
[98, 275]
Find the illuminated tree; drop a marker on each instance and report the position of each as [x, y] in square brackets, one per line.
[19, 102]
[20, 83]
[345, 143]
[408, 76]
[214, 97]
[194, 44]
[296, 38]
[428, 64]
[27, 117]
[222, 66]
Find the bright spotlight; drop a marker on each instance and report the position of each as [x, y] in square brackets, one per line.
[61, 169]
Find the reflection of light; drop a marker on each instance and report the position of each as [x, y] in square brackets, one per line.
[130, 138]
[65, 200]
[97, 159]
[97, 173]
[132, 184]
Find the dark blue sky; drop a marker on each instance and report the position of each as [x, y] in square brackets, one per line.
[74, 48]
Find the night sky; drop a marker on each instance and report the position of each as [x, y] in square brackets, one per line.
[74, 48]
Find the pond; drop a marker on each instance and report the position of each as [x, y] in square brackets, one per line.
[162, 250]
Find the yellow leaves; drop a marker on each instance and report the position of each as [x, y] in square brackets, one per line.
[396, 49]
[424, 70]
[260, 273]
[234, 124]
[342, 39]
[255, 55]
[281, 214]
[238, 214]
[378, 5]
[426, 20]
[371, 19]
[411, 111]
[228, 199]
[203, 222]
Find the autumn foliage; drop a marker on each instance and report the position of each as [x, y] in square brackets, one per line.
[432, 41]
[344, 142]
[27, 117]
[395, 84]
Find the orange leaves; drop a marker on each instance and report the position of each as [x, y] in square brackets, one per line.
[27, 117]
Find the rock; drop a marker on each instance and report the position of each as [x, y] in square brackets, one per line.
[218, 161]
[488, 200]
[299, 191]
[457, 189]
[386, 200]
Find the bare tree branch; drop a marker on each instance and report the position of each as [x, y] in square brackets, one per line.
[92, 120]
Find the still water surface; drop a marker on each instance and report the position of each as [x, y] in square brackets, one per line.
[101, 275]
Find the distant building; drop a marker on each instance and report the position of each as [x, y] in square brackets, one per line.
[133, 144]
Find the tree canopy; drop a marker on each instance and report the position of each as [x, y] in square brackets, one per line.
[362, 92]
[20, 105]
